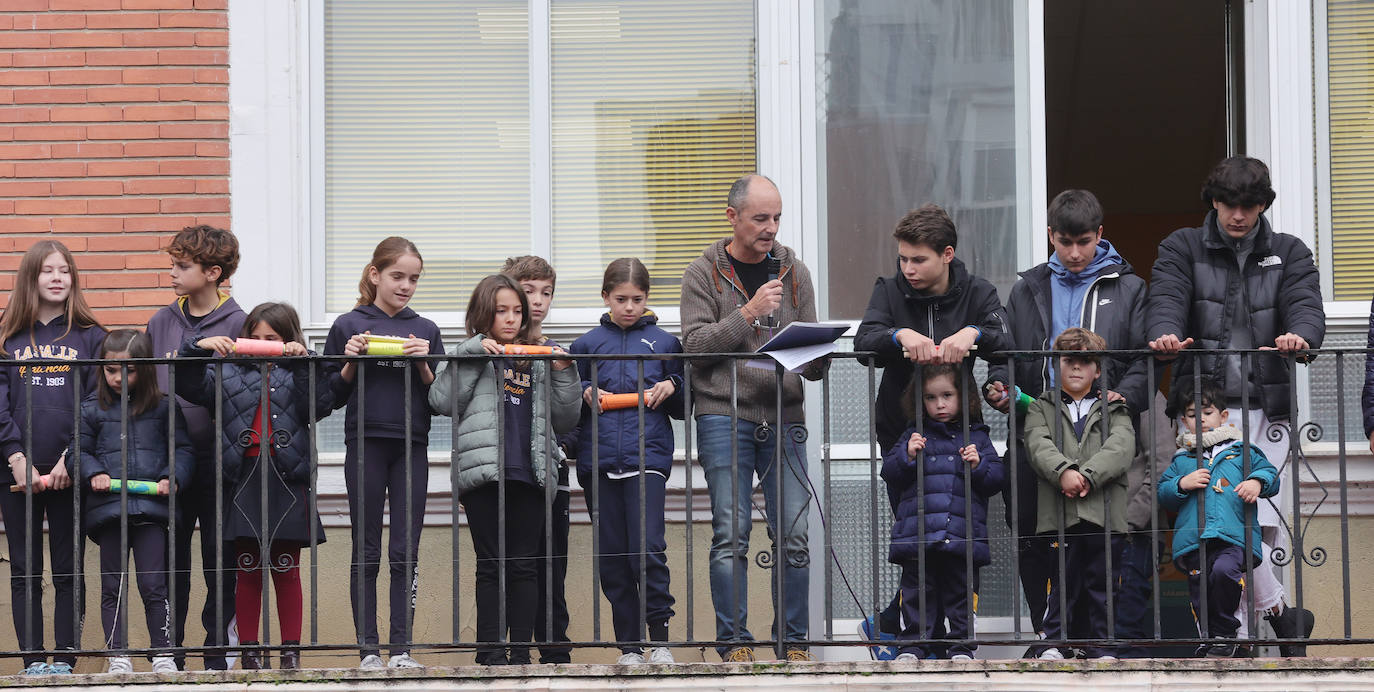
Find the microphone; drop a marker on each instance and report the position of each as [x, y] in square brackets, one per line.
[774, 269]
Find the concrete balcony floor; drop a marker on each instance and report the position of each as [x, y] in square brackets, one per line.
[1141, 674]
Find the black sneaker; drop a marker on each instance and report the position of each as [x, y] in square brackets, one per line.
[1221, 650]
[1292, 624]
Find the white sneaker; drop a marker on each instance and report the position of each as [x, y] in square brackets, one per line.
[164, 664]
[371, 662]
[120, 664]
[961, 657]
[630, 659]
[1051, 655]
[403, 661]
[1106, 657]
[907, 657]
[661, 654]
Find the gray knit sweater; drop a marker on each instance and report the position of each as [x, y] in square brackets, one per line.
[712, 323]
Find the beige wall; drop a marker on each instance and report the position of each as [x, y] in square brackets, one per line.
[434, 611]
[1322, 594]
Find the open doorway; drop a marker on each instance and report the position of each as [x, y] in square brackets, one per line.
[1136, 110]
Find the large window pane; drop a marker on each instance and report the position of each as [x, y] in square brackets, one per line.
[1350, 61]
[653, 118]
[426, 136]
[916, 104]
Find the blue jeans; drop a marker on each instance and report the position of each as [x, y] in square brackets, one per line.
[730, 522]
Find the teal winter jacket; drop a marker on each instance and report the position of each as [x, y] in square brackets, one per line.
[1224, 510]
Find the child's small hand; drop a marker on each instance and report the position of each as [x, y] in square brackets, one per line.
[1249, 491]
[970, 454]
[1073, 484]
[414, 346]
[357, 344]
[100, 482]
[915, 444]
[59, 477]
[221, 345]
[491, 346]
[292, 348]
[164, 487]
[659, 393]
[561, 364]
[1196, 480]
[592, 395]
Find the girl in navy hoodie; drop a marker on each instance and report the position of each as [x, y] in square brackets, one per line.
[613, 460]
[47, 322]
[375, 465]
[952, 519]
[124, 437]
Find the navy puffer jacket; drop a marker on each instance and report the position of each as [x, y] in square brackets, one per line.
[617, 448]
[242, 392]
[147, 453]
[947, 521]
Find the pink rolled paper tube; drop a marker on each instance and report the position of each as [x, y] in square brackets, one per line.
[258, 347]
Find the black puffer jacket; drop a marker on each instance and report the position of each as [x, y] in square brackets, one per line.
[1114, 308]
[242, 392]
[895, 305]
[1195, 289]
[147, 450]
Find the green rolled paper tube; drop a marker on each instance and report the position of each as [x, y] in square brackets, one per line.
[135, 487]
[1023, 400]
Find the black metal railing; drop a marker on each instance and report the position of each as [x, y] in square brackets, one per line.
[1300, 559]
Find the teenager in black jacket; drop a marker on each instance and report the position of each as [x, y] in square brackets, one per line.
[931, 311]
[932, 308]
[1235, 283]
[1085, 283]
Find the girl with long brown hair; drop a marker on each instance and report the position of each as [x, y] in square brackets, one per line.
[46, 324]
[501, 403]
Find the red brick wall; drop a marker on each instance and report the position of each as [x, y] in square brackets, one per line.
[114, 132]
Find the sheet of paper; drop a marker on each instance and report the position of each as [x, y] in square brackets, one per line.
[793, 359]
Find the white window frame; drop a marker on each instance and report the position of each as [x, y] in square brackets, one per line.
[277, 143]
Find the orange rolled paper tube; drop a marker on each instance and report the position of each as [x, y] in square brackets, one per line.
[258, 347]
[611, 402]
[524, 349]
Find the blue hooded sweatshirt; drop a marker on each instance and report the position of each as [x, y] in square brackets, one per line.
[1067, 290]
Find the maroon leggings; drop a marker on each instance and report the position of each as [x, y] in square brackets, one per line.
[286, 581]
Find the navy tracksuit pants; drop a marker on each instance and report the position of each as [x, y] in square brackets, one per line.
[1225, 581]
[618, 531]
[1085, 586]
[946, 588]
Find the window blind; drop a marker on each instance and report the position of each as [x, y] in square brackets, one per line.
[653, 107]
[1350, 51]
[427, 137]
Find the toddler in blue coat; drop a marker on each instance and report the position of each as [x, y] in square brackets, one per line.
[949, 443]
[1214, 468]
[611, 460]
